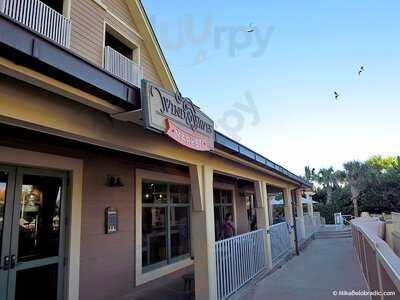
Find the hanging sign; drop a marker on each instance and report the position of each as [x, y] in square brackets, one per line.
[187, 138]
[177, 117]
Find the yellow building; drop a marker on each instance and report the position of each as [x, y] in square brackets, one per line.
[109, 178]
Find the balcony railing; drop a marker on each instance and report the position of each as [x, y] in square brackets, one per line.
[239, 259]
[40, 18]
[122, 67]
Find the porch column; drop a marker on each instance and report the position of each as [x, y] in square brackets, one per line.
[310, 210]
[201, 178]
[300, 215]
[263, 218]
[270, 209]
[287, 195]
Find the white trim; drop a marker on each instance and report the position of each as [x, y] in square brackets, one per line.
[67, 9]
[162, 271]
[75, 167]
[127, 26]
[141, 277]
[101, 4]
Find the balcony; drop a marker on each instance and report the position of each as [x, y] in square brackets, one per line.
[122, 67]
[39, 17]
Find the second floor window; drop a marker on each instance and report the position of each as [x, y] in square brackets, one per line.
[57, 5]
[117, 45]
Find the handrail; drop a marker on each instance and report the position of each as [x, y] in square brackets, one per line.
[379, 263]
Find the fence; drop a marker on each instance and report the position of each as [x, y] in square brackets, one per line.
[380, 265]
[280, 241]
[123, 67]
[311, 225]
[239, 259]
[39, 17]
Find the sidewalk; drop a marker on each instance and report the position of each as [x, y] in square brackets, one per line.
[325, 266]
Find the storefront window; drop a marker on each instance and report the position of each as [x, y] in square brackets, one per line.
[223, 205]
[165, 223]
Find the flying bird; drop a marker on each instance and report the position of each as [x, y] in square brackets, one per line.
[360, 70]
[336, 95]
[251, 28]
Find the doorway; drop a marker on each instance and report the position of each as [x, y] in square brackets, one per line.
[32, 233]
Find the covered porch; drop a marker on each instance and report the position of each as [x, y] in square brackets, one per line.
[224, 264]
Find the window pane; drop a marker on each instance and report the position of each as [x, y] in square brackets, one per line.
[153, 235]
[217, 198]
[179, 193]
[154, 192]
[226, 196]
[180, 231]
[39, 224]
[3, 190]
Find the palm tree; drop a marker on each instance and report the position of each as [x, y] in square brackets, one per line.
[356, 172]
[309, 174]
[326, 178]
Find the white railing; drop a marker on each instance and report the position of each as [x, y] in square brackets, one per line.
[280, 241]
[309, 226]
[39, 17]
[122, 67]
[239, 259]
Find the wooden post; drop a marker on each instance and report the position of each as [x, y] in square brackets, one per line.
[204, 232]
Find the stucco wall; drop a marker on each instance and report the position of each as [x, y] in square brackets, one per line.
[107, 261]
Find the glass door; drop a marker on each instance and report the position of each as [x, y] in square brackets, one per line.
[7, 177]
[34, 230]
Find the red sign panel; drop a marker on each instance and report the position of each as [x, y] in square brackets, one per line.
[186, 137]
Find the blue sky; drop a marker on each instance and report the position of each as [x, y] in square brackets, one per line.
[272, 89]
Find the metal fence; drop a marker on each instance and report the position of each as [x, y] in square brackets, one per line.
[309, 226]
[39, 17]
[122, 67]
[239, 259]
[280, 241]
[300, 236]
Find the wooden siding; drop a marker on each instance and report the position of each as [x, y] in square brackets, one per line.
[87, 30]
[87, 36]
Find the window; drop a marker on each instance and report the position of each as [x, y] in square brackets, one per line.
[117, 45]
[57, 5]
[223, 205]
[165, 223]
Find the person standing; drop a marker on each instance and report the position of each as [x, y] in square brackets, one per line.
[228, 229]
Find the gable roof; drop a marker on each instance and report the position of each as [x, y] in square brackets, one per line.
[153, 47]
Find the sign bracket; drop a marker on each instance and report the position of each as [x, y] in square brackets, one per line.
[134, 116]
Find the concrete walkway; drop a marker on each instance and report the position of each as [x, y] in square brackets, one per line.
[325, 266]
